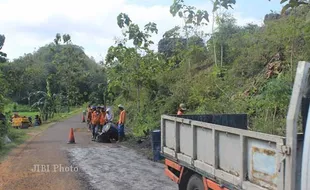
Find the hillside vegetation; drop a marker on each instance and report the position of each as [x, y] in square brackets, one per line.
[50, 82]
[63, 71]
[248, 69]
[236, 69]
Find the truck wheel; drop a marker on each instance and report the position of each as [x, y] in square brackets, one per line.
[195, 183]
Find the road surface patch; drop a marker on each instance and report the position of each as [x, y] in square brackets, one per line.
[119, 169]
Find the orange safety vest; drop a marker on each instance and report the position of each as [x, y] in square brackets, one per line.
[179, 113]
[122, 117]
[95, 118]
[102, 119]
[89, 114]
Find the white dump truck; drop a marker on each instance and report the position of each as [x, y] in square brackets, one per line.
[217, 152]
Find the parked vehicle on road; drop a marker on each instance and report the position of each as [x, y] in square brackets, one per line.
[108, 134]
[218, 152]
[21, 122]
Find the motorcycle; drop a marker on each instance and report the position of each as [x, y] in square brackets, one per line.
[108, 133]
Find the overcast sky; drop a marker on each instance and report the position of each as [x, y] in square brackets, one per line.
[29, 24]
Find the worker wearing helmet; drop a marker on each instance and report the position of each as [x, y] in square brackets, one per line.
[182, 109]
[121, 123]
[102, 119]
[88, 107]
[90, 111]
[95, 122]
[109, 116]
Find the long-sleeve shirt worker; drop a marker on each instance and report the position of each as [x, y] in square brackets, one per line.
[95, 118]
[102, 118]
[122, 117]
[109, 117]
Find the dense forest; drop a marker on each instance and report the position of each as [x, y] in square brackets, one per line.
[235, 69]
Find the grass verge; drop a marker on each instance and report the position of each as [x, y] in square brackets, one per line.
[28, 114]
[64, 116]
[20, 136]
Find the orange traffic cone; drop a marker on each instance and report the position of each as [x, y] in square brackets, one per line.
[71, 137]
[83, 118]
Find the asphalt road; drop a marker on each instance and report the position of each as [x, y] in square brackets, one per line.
[48, 162]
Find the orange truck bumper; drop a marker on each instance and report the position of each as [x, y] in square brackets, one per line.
[208, 184]
[174, 166]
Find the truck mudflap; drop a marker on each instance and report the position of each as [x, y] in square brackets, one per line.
[175, 172]
[209, 184]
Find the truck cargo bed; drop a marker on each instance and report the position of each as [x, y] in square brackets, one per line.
[230, 155]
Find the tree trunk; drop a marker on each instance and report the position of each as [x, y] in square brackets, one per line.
[138, 95]
[189, 61]
[214, 46]
[68, 106]
[291, 60]
[189, 67]
[68, 101]
[104, 98]
[222, 55]
[293, 45]
[273, 118]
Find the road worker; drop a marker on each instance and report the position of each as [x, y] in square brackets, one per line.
[38, 120]
[90, 111]
[121, 123]
[181, 109]
[95, 121]
[102, 119]
[109, 115]
[84, 115]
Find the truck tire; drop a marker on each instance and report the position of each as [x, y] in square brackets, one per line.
[195, 183]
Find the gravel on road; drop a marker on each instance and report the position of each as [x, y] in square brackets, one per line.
[95, 165]
[119, 168]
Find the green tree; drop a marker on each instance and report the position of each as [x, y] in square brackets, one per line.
[175, 47]
[2, 54]
[226, 29]
[69, 66]
[134, 64]
[47, 101]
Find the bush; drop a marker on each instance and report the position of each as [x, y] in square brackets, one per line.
[3, 131]
[15, 107]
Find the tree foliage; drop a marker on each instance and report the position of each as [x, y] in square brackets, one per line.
[2, 54]
[128, 67]
[258, 65]
[190, 13]
[58, 75]
[256, 73]
[139, 38]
